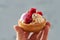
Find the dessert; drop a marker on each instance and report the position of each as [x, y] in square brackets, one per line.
[32, 21]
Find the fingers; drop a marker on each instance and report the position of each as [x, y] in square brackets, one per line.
[45, 31]
[40, 35]
[26, 34]
[33, 36]
[43, 34]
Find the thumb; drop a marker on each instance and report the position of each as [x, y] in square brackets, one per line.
[18, 29]
[19, 33]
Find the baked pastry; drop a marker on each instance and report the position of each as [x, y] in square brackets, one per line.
[32, 21]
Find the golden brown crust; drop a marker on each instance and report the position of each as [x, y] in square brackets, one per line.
[32, 27]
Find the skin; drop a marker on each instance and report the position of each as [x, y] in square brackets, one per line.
[23, 35]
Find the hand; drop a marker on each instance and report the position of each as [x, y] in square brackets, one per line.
[23, 35]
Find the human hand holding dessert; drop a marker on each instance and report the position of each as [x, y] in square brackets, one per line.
[32, 21]
[24, 35]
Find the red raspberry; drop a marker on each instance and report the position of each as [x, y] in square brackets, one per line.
[31, 11]
[27, 18]
[39, 12]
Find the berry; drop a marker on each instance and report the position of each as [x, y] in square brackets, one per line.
[27, 18]
[39, 12]
[31, 11]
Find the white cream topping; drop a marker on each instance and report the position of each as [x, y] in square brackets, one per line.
[37, 18]
[21, 18]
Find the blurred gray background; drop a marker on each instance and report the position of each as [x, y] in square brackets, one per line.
[11, 10]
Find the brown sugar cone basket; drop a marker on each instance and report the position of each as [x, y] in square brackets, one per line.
[32, 27]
